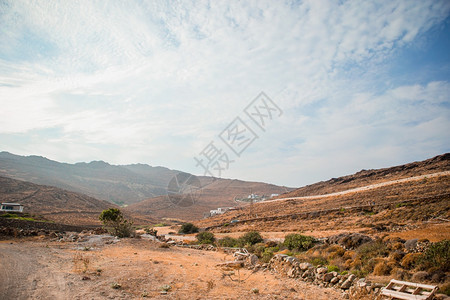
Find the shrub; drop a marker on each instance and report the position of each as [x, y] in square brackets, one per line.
[205, 237]
[298, 242]
[371, 250]
[115, 223]
[410, 260]
[268, 254]
[319, 261]
[420, 276]
[9, 215]
[256, 249]
[445, 289]
[333, 268]
[400, 274]
[349, 254]
[381, 269]
[227, 242]
[396, 256]
[250, 238]
[187, 228]
[437, 256]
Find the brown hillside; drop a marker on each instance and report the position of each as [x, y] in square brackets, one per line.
[411, 204]
[53, 203]
[215, 193]
[368, 177]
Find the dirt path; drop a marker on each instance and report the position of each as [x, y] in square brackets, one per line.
[37, 269]
[363, 188]
[30, 271]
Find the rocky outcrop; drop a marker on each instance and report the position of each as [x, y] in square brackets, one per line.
[291, 267]
[349, 240]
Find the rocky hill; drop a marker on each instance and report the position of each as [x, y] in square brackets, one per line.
[213, 193]
[367, 177]
[52, 203]
[126, 184]
[117, 184]
[391, 199]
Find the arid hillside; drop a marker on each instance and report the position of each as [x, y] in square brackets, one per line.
[117, 184]
[213, 194]
[396, 205]
[52, 203]
[127, 184]
[368, 177]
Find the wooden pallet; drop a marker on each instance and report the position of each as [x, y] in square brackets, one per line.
[397, 289]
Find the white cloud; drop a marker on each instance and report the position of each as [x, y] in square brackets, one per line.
[148, 79]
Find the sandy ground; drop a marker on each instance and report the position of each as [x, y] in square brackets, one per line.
[40, 269]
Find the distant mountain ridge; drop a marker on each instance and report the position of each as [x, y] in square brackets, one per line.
[120, 184]
[129, 184]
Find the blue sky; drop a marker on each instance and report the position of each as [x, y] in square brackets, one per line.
[361, 84]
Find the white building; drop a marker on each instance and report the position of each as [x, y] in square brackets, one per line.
[219, 211]
[11, 207]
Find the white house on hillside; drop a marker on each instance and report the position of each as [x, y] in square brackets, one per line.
[11, 207]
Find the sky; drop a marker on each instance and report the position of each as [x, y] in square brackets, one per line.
[347, 85]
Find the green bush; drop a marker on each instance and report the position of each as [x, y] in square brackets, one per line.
[228, 242]
[205, 237]
[268, 254]
[371, 250]
[9, 215]
[298, 242]
[319, 261]
[115, 223]
[250, 238]
[437, 256]
[332, 268]
[187, 228]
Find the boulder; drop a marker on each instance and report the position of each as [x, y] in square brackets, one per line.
[252, 260]
[327, 277]
[305, 266]
[334, 280]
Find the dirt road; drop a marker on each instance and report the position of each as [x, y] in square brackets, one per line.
[40, 269]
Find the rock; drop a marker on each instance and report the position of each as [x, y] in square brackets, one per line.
[290, 259]
[334, 280]
[352, 277]
[349, 240]
[361, 284]
[327, 277]
[322, 270]
[252, 260]
[305, 266]
[410, 245]
[291, 272]
[346, 284]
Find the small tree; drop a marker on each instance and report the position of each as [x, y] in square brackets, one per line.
[205, 237]
[250, 238]
[115, 223]
[187, 228]
[298, 242]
